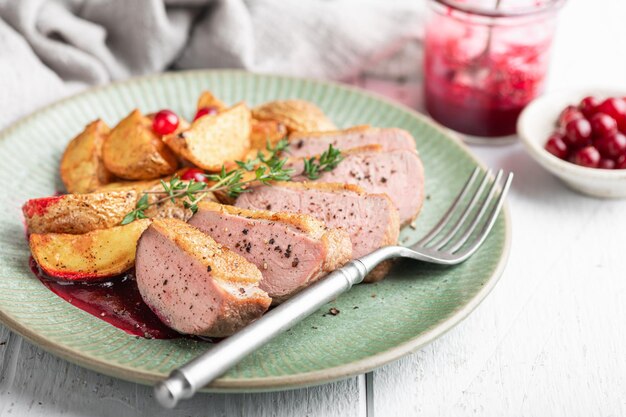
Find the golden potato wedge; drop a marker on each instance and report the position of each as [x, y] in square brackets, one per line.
[296, 115]
[137, 186]
[78, 213]
[207, 99]
[134, 152]
[82, 169]
[90, 256]
[213, 140]
[165, 209]
[264, 131]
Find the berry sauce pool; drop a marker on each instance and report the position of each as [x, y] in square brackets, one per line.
[116, 301]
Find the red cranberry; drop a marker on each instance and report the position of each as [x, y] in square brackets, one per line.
[568, 114]
[587, 157]
[578, 132]
[603, 125]
[556, 146]
[621, 162]
[588, 106]
[193, 174]
[211, 110]
[606, 163]
[611, 146]
[165, 122]
[616, 108]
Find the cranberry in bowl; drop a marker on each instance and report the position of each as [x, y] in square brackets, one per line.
[580, 137]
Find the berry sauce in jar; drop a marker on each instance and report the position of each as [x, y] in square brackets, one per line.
[484, 61]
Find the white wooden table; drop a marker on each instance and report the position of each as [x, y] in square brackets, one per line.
[548, 341]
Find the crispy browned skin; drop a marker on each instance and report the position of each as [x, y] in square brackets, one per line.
[207, 99]
[78, 213]
[133, 151]
[296, 115]
[97, 254]
[195, 285]
[213, 140]
[82, 169]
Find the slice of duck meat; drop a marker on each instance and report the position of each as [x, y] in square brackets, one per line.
[193, 284]
[371, 220]
[399, 174]
[314, 143]
[291, 250]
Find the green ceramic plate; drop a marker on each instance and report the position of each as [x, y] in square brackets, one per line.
[413, 306]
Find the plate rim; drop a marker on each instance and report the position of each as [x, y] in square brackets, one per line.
[285, 382]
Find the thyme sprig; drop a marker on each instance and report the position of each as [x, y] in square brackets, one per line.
[266, 168]
[327, 161]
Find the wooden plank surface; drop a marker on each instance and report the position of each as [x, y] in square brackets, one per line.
[35, 383]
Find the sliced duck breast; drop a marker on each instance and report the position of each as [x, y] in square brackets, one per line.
[195, 285]
[371, 220]
[399, 174]
[291, 250]
[314, 143]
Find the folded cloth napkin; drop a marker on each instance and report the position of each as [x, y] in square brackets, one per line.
[49, 49]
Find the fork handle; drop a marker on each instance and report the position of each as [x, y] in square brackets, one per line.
[189, 378]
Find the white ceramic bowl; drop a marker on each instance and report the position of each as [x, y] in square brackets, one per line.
[537, 122]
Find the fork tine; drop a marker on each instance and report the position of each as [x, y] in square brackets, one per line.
[458, 243]
[489, 223]
[490, 198]
[468, 209]
[443, 221]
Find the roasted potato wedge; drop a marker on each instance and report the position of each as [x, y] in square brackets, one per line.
[90, 256]
[296, 115]
[165, 209]
[78, 213]
[82, 168]
[134, 152]
[213, 140]
[137, 186]
[264, 131]
[207, 99]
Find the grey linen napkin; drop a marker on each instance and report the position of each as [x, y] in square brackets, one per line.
[50, 49]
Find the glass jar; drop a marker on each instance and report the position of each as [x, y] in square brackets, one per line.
[484, 61]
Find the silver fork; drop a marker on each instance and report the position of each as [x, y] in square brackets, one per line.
[448, 243]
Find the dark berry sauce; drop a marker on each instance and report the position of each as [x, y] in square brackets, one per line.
[115, 300]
